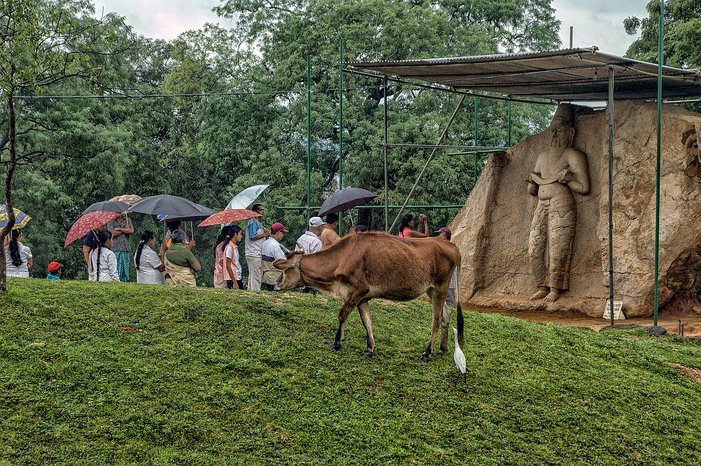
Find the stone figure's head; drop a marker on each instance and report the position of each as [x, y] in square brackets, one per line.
[562, 126]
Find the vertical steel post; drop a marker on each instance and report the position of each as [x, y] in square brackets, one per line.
[508, 134]
[309, 132]
[611, 136]
[571, 35]
[385, 161]
[660, 56]
[476, 122]
[340, 132]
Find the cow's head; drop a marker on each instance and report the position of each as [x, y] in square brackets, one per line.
[291, 278]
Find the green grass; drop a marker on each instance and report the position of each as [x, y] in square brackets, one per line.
[120, 373]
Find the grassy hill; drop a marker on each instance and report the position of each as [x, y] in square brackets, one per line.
[120, 373]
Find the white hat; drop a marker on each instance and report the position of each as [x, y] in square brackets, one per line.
[316, 222]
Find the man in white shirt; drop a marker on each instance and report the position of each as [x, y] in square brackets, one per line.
[309, 242]
[270, 251]
[255, 237]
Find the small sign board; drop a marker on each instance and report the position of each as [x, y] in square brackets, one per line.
[617, 310]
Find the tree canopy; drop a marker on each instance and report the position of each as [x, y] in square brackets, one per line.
[217, 110]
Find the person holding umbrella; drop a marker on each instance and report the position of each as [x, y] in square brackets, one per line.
[328, 235]
[256, 235]
[180, 262]
[121, 229]
[18, 257]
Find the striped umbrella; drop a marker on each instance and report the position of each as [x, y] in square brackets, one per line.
[21, 219]
[89, 221]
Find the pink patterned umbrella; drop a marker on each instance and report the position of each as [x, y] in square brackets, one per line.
[127, 198]
[228, 216]
[89, 221]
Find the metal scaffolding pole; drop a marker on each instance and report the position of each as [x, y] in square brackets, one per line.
[660, 55]
[418, 178]
[385, 162]
[611, 136]
[309, 132]
[340, 133]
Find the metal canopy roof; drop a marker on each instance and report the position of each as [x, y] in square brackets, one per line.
[569, 75]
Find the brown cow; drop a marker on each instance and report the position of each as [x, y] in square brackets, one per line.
[377, 265]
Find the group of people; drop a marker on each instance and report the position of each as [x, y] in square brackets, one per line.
[107, 253]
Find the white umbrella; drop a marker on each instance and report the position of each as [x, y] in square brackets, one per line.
[246, 197]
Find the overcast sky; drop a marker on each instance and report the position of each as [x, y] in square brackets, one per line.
[595, 22]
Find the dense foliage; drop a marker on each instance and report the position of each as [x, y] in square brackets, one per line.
[236, 111]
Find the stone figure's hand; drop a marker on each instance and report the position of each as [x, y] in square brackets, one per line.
[564, 176]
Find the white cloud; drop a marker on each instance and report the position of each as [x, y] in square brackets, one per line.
[163, 19]
[598, 22]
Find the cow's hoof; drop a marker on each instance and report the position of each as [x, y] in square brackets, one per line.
[336, 346]
[367, 354]
[425, 358]
[442, 352]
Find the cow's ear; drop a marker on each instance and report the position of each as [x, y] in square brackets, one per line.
[283, 264]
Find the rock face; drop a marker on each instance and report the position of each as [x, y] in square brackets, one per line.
[493, 227]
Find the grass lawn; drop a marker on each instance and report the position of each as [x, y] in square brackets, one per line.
[120, 373]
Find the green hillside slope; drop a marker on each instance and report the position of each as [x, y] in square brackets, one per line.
[120, 373]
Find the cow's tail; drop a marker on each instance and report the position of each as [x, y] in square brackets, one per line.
[461, 319]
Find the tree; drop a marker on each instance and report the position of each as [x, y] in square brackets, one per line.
[45, 44]
[287, 32]
[682, 31]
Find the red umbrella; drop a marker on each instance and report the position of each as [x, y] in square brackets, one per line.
[89, 221]
[228, 216]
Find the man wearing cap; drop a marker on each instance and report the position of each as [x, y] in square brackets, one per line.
[270, 251]
[54, 271]
[309, 242]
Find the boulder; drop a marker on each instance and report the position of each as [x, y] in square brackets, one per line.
[492, 229]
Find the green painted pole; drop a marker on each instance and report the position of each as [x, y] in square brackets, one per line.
[309, 132]
[386, 88]
[610, 200]
[508, 134]
[476, 119]
[660, 60]
[340, 132]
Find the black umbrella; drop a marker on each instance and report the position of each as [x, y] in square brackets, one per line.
[109, 206]
[174, 207]
[345, 199]
[205, 212]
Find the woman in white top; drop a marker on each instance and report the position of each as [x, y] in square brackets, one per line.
[18, 257]
[103, 262]
[149, 268]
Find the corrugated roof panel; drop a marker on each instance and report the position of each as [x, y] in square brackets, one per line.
[571, 74]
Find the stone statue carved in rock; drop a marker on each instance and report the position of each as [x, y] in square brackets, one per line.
[559, 171]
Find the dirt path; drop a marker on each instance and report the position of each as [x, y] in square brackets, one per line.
[670, 321]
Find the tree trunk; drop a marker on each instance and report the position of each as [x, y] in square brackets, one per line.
[8, 188]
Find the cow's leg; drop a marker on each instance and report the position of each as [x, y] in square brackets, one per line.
[342, 316]
[445, 324]
[438, 299]
[350, 303]
[364, 309]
